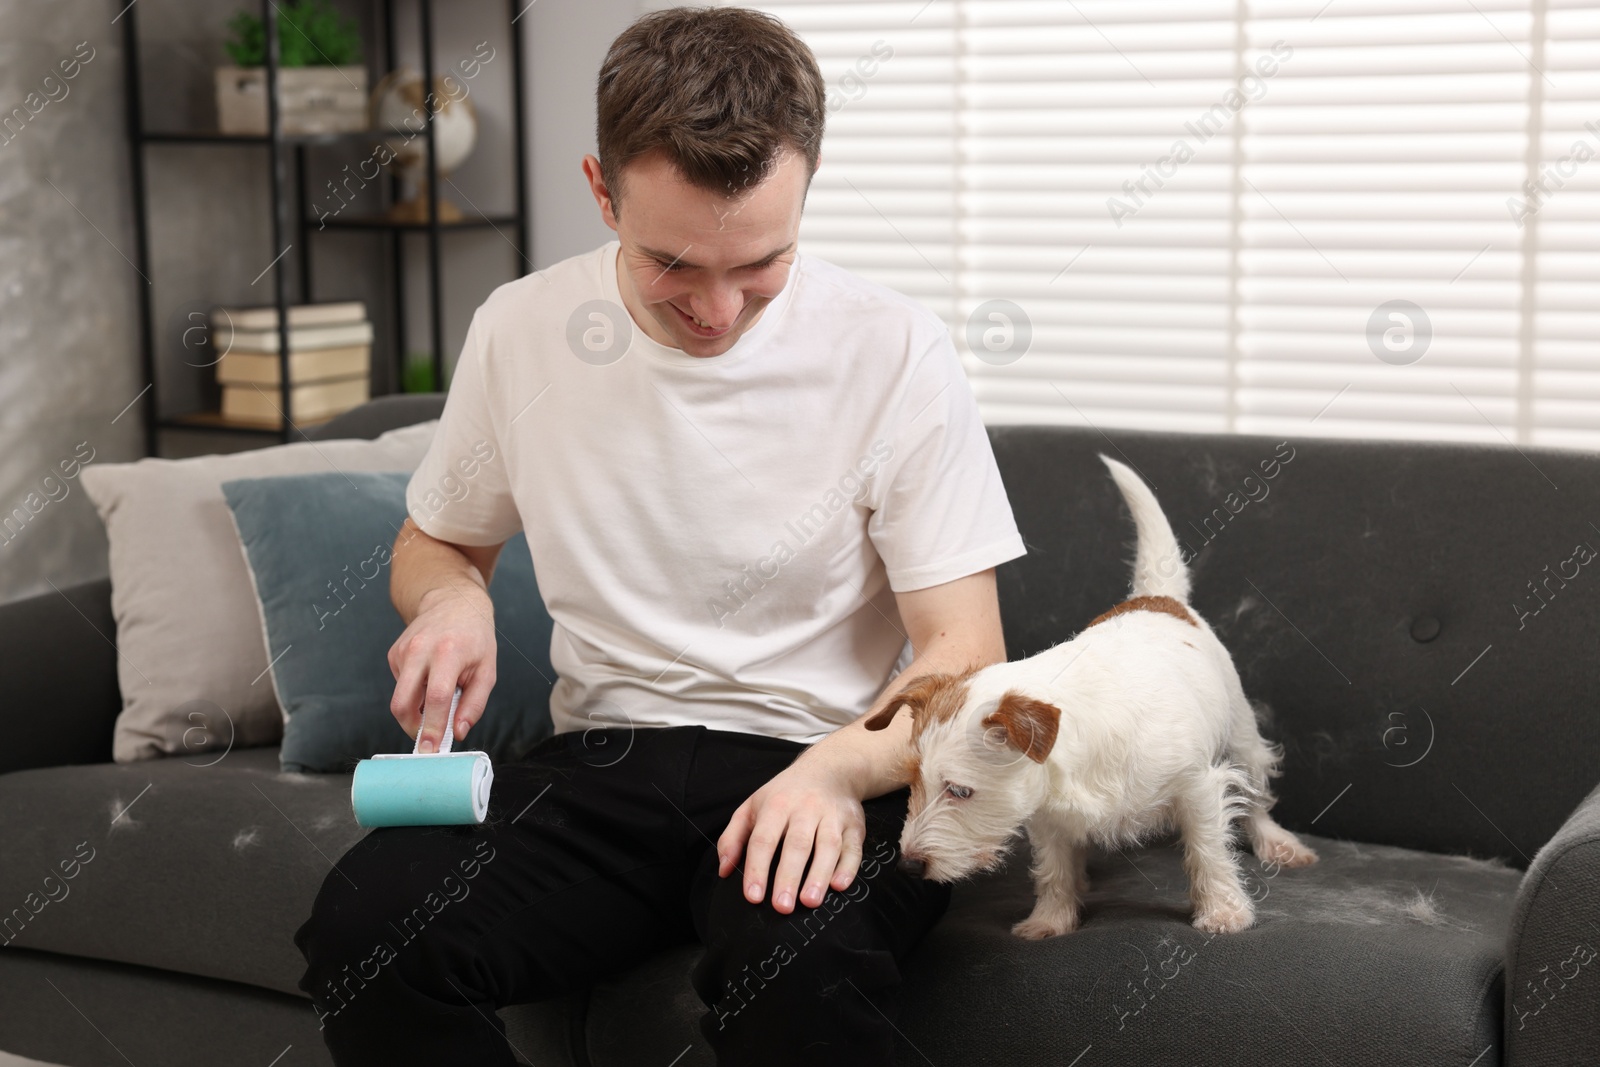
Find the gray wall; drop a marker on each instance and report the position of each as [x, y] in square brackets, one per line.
[68, 359]
[69, 356]
[572, 37]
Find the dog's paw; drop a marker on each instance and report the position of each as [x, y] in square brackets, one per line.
[1285, 852]
[1038, 927]
[1225, 917]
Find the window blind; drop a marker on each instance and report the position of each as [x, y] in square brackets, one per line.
[1562, 399]
[1326, 217]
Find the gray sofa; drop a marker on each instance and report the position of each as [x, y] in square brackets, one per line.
[1443, 749]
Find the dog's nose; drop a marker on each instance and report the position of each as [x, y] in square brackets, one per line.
[911, 865]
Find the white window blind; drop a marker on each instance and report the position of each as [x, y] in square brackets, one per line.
[1562, 399]
[1356, 217]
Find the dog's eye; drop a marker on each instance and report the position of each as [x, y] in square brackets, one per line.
[959, 792]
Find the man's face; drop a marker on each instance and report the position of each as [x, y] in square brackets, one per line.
[691, 254]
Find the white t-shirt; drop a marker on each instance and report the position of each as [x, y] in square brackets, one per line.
[718, 540]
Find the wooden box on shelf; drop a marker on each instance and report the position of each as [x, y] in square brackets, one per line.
[310, 99]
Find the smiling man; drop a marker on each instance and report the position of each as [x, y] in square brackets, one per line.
[759, 501]
[699, 293]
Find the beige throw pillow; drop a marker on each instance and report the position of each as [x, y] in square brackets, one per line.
[189, 633]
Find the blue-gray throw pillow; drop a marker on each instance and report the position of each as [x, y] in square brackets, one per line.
[318, 546]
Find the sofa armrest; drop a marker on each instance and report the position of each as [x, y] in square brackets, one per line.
[1553, 951]
[58, 672]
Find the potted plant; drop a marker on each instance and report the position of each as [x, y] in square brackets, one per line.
[322, 83]
[416, 376]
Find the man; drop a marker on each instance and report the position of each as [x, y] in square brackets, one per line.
[754, 486]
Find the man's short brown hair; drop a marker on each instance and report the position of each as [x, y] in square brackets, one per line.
[720, 90]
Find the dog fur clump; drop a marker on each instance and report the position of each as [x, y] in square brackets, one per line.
[1136, 726]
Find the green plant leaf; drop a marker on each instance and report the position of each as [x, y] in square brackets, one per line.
[417, 375]
[248, 46]
[310, 34]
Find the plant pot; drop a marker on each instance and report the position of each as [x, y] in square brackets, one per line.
[310, 99]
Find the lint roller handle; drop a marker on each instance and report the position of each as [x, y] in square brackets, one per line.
[441, 788]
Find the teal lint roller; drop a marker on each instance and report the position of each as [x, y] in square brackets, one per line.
[440, 788]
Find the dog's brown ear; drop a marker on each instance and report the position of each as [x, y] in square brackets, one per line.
[1030, 724]
[914, 696]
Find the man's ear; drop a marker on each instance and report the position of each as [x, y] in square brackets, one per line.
[610, 207]
[1030, 724]
[914, 696]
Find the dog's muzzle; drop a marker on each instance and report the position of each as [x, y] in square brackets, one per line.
[912, 866]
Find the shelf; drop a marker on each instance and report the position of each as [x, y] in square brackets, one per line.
[288, 170]
[213, 137]
[214, 421]
[380, 223]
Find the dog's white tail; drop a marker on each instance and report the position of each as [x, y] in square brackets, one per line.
[1158, 567]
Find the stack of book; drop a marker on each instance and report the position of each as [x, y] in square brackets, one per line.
[330, 362]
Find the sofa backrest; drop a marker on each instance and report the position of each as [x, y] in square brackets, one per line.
[380, 415]
[58, 670]
[1421, 619]
[1399, 608]
[59, 665]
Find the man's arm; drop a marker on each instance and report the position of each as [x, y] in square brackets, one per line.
[423, 564]
[441, 590]
[951, 627]
[814, 806]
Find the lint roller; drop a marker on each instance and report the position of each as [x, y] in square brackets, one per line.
[440, 788]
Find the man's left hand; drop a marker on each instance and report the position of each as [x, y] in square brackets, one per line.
[816, 816]
[813, 808]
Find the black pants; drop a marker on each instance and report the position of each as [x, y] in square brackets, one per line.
[599, 850]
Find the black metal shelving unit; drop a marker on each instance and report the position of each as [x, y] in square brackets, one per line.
[281, 148]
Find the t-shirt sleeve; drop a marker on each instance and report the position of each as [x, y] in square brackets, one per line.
[942, 509]
[461, 491]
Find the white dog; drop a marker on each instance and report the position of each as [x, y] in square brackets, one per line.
[1137, 725]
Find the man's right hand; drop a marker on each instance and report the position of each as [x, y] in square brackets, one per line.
[449, 643]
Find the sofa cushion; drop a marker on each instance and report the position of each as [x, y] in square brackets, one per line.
[192, 662]
[203, 864]
[213, 868]
[318, 549]
[1376, 955]
[151, 1016]
[145, 1015]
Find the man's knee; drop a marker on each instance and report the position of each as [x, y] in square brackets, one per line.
[787, 961]
[349, 943]
[816, 986]
[376, 920]
[344, 956]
